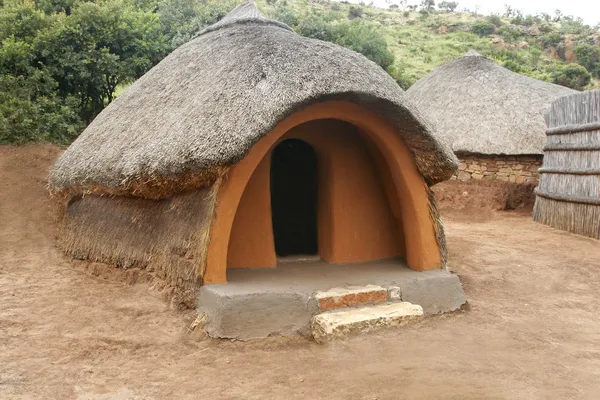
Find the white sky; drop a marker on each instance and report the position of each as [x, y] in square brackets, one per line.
[588, 10]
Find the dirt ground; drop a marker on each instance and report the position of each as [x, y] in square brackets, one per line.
[532, 331]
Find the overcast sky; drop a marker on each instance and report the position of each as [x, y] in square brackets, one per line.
[589, 10]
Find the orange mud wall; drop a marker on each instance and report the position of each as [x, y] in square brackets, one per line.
[354, 219]
[372, 200]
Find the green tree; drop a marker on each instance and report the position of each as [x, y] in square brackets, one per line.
[364, 38]
[428, 5]
[182, 19]
[357, 35]
[589, 56]
[29, 106]
[97, 48]
[449, 6]
[483, 28]
[355, 12]
[22, 20]
[572, 75]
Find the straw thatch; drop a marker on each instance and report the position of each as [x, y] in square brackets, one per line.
[144, 176]
[481, 107]
[205, 105]
[568, 196]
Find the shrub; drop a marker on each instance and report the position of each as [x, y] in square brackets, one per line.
[316, 28]
[495, 20]
[30, 110]
[552, 40]
[355, 12]
[427, 5]
[364, 38]
[513, 66]
[483, 28]
[449, 6]
[510, 33]
[572, 75]
[357, 35]
[589, 56]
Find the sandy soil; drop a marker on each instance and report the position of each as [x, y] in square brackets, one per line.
[532, 331]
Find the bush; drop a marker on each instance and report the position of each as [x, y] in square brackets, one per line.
[449, 6]
[355, 12]
[513, 66]
[552, 40]
[511, 60]
[495, 20]
[31, 111]
[510, 33]
[401, 77]
[317, 28]
[483, 28]
[427, 5]
[287, 16]
[357, 35]
[589, 56]
[364, 38]
[572, 75]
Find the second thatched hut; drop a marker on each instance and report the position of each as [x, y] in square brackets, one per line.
[492, 118]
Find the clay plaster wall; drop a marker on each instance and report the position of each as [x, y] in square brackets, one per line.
[355, 221]
[424, 245]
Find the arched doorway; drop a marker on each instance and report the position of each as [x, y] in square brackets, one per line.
[406, 189]
[294, 198]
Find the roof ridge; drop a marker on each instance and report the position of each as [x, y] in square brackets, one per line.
[245, 13]
[246, 9]
[473, 53]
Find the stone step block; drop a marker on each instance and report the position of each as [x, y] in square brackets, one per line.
[352, 296]
[340, 324]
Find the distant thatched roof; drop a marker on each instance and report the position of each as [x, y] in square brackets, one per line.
[481, 107]
[207, 103]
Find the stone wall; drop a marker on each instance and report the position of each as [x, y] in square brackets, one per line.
[518, 169]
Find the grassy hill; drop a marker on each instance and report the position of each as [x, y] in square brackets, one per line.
[63, 61]
[537, 46]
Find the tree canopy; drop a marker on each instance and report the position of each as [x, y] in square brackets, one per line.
[63, 61]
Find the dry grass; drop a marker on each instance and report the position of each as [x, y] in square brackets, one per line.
[480, 107]
[569, 190]
[165, 237]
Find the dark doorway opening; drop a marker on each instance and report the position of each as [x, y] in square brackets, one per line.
[294, 198]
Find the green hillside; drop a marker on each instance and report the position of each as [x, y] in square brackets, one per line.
[420, 40]
[63, 61]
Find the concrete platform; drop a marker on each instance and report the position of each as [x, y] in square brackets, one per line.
[256, 303]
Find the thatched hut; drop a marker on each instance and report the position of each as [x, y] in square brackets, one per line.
[568, 196]
[251, 143]
[492, 118]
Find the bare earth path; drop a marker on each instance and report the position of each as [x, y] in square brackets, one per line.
[533, 331]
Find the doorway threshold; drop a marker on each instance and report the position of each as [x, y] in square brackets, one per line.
[299, 259]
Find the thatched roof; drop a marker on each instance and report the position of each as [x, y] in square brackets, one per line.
[206, 104]
[481, 107]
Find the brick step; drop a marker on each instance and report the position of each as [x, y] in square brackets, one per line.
[342, 323]
[353, 296]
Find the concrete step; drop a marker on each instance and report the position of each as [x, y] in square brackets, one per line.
[351, 296]
[340, 324]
